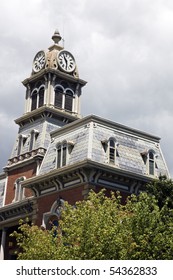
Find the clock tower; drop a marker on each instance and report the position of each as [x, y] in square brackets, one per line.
[53, 93]
[58, 156]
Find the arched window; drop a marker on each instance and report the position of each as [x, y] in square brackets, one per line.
[110, 148]
[68, 100]
[61, 155]
[58, 156]
[41, 97]
[151, 163]
[34, 101]
[52, 222]
[19, 191]
[64, 154]
[37, 99]
[112, 151]
[58, 97]
[52, 217]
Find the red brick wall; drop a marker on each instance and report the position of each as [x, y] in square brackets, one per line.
[71, 195]
[26, 171]
[123, 195]
[45, 202]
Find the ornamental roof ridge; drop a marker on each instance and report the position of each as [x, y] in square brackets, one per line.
[109, 123]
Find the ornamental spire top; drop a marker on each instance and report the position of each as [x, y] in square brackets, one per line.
[56, 37]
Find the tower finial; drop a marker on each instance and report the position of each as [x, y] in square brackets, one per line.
[56, 37]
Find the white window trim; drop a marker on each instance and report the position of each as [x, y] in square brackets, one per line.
[21, 141]
[147, 162]
[19, 191]
[107, 147]
[33, 134]
[36, 92]
[69, 148]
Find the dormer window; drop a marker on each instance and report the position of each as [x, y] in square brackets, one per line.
[110, 147]
[149, 159]
[64, 149]
[112, 151]
[151, 163]
[61, 154]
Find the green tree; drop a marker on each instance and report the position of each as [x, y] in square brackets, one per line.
[162, 189]
[101, 228]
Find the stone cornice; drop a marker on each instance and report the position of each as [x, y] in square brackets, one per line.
[77, 168]
[60, 74]
[25, 159]
[46, 111]
[13, 212]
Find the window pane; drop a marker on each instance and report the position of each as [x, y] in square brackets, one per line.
[31, 145]
[151, 155]
[34, 102]
[151, 167]
[112, 143]
[58, 98]
[59, 156]
[17, 192]
[19, 145]
[112, 155]
[68, 101]
[64, 154]
[41, 97]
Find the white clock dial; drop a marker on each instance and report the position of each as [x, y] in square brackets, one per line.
[66, 61]
[39, 61]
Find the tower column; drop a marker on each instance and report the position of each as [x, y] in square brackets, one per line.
[52, 93]
[77, 99]
[49, 90]
[46, 101]
[28, 99]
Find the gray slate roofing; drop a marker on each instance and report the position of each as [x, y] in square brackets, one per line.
[87, 137]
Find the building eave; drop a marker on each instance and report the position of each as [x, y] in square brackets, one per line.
[29, 183]
[11, 214]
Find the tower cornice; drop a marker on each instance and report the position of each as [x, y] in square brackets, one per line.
[45, 111]
[60, 74]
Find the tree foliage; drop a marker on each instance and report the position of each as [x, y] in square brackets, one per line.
[162, 189]
[101, 228]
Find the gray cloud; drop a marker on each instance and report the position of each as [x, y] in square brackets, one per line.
[123, 49]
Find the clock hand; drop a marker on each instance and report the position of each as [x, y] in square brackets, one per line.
[66, 61]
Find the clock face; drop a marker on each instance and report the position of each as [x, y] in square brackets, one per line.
[66, 61]
[39, 61]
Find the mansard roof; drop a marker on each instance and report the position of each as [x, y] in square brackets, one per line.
[86, 139]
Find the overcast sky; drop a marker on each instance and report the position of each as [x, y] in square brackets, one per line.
[123, 48]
